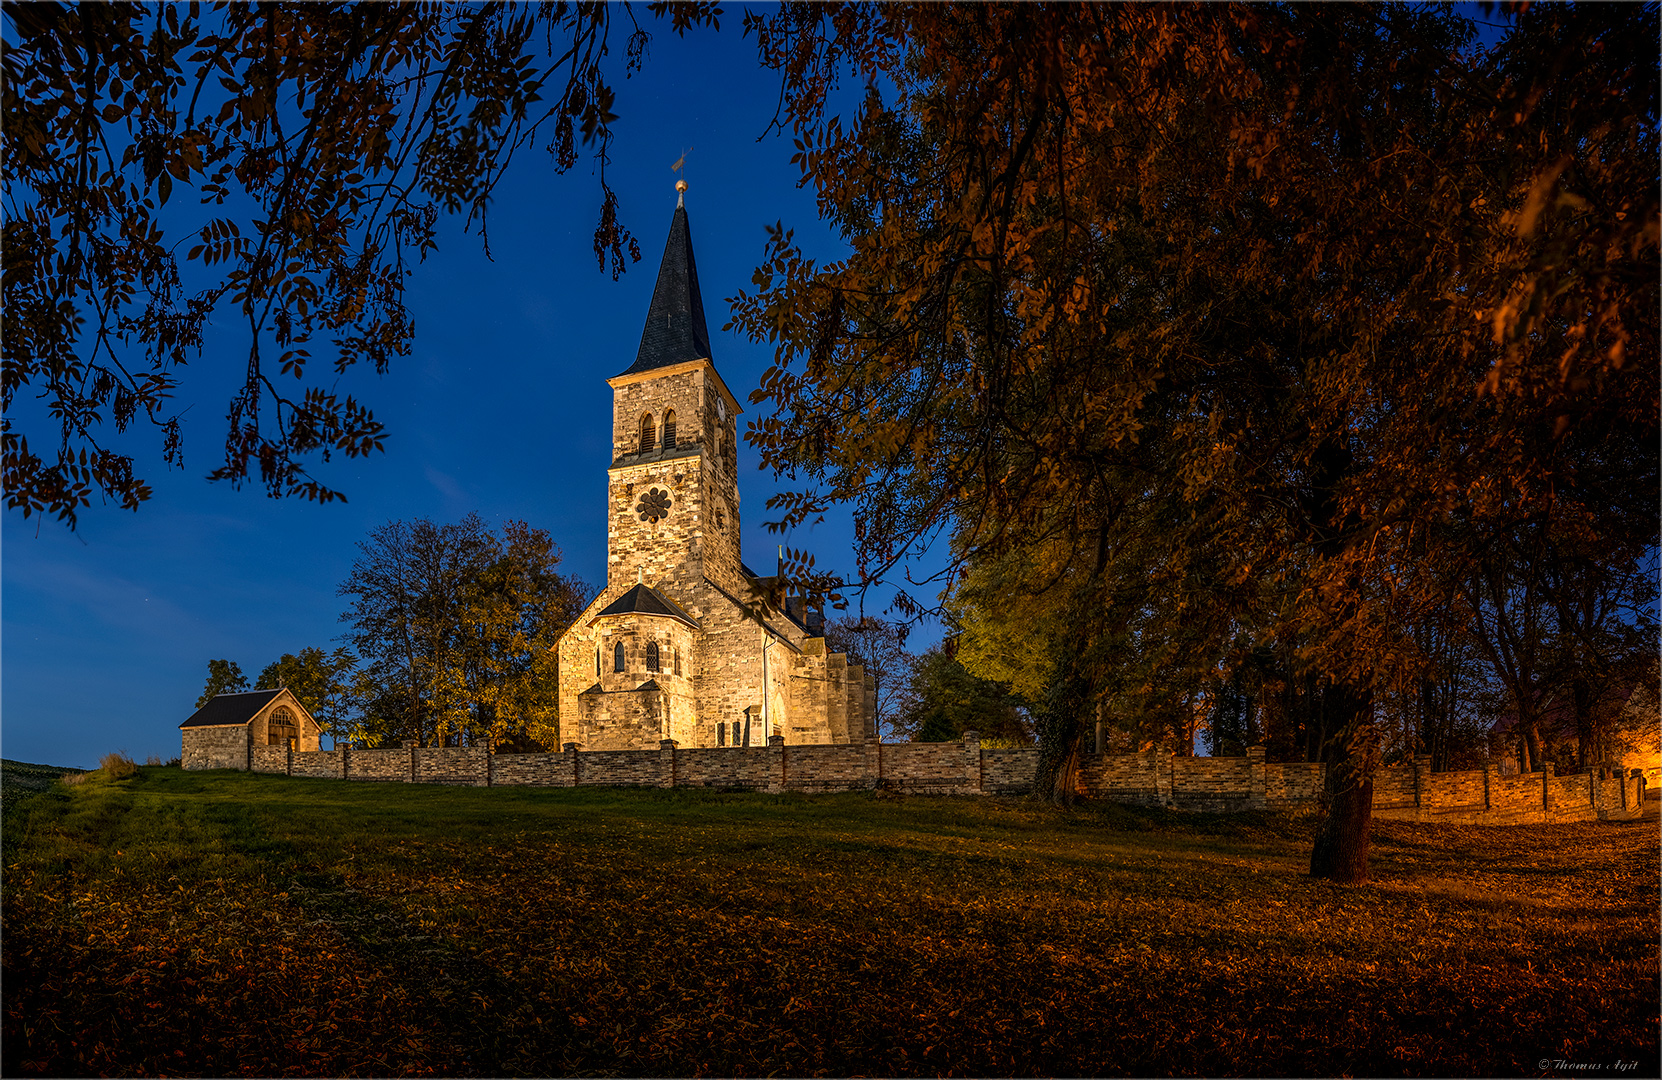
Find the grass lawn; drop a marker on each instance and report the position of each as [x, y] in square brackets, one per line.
[225, 923]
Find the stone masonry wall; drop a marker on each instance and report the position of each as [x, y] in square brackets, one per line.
[224, 747]
[268, 759]
[1410, 791]
[325, 764]
[385, 765]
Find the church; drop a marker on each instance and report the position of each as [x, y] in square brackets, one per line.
[686, 642]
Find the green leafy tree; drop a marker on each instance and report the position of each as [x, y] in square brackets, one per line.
[456, 626]
[1213, 321]
[323, 143]
[321, 681]
[224, 677]
[941, 700]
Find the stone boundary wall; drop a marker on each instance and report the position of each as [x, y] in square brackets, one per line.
[1484, 797]
[1150, 778]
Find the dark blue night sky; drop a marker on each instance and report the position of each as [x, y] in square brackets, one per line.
[502, 409]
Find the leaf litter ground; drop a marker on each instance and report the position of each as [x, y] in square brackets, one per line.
[229, 924]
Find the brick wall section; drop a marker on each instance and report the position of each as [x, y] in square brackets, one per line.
[738, 768]
[620, 768]
[1141, 779]
[384, 765]
[827, 768]
[1213, 784]
[1007, 771]
[1294, 784]
[468, 765]
[269, 759]
[322, 764]
[1452, 791]
[214, 747]
[534, 770]
[926, 767]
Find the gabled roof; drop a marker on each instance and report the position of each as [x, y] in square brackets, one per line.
[231, 708]
[675, 332]
[644, 600]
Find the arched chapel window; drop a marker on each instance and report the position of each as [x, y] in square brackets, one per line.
[652, 656]
[677, 654]
[281, 727]
[669, 430]
[647, 432]
[617, 657]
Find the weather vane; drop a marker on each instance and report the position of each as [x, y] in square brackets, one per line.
[680, 181]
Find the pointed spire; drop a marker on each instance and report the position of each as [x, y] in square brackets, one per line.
[675, 330]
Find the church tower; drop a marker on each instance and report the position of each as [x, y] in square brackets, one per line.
[673, 513]
[684, 645]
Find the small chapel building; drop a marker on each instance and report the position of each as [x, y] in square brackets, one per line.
[686, 642]
[224, 731]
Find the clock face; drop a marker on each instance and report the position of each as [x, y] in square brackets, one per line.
[654, 505]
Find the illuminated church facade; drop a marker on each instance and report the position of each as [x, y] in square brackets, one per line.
[685, 642]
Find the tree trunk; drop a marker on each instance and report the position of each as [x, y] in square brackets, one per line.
[1062, 729]
[1341, 850]
[1057, 780]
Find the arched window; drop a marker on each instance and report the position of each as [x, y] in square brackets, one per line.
[597, 661]
[647, 432]
[652, 656]
[721, 734]
[669, 429]
[281, 727]
[617, 657]
[677, 654]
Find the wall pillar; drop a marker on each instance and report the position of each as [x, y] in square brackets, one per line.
[1257, 779]
[874, 762]
[1422, 769]
[776, 755]
[972, 761]
[1548, 772]
[1163, 775]
[570, 751]
[666, 763]
[1490, 773]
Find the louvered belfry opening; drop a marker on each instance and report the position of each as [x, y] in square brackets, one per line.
[669, 430]
[647, 433]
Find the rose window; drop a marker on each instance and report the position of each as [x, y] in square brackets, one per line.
[653, 506]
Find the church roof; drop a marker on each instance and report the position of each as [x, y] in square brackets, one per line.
[675, 331]
[644, 600]
[223, 709]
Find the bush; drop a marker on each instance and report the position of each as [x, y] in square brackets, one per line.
[174, 763]
[117, 764]
[70, 779]
[152, 760]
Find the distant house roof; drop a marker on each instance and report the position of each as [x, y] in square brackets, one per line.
[644, 600]
[1557, 709]
[675, 331]
[226, 709]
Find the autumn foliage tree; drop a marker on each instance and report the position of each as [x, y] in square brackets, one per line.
[321, 145]
[1212, 332]
[321, 681]
[455, 627]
